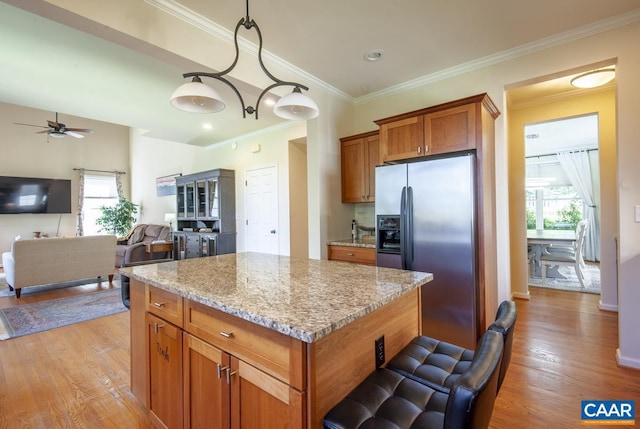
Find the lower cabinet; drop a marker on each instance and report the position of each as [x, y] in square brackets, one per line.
[164, 380]
[194, 384]
[360, 255]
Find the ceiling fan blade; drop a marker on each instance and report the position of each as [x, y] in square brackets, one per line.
[72, 134]
[80, 130]
[44, 131]
[55, 124]
[30, 125]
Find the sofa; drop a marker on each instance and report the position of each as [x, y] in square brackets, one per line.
[38, 261]
[132, 247]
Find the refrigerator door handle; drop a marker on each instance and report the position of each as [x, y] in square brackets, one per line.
[403, 228]
[409, 234]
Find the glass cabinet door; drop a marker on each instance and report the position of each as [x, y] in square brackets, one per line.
[213, 198]
[201, 198]
[180, 202]
[190, 197]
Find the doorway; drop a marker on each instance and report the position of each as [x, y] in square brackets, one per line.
[546, 99]
[262, 210]
[562, 181]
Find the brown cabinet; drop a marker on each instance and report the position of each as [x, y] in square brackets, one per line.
[164, 378]
[360, 255]
[203, 367]
[359, 156]
[436, 130]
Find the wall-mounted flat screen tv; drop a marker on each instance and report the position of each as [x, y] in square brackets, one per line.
[20, 195]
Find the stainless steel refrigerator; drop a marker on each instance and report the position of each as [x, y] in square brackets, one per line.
[426, 221]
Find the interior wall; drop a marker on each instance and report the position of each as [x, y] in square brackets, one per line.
[603, 103]
[298, 197]
[152, 158]
[25, 153]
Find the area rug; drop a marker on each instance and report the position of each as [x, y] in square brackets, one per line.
[592, 280]
[40, 316]
[5, 291]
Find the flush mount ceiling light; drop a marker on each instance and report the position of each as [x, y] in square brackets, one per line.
[594, 78]
[197, 97]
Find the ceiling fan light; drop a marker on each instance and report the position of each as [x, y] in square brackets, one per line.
[56, 134]
[197, 97]
[594, 78]
[296, 106]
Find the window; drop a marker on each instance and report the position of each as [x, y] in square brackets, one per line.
[98, 191]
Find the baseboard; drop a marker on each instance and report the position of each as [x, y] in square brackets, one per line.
[521, 295]
[628, 362]
[607, 307]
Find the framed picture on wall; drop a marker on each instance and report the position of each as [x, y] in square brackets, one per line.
[166, 185]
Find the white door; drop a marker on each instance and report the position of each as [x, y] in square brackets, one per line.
[262, 210]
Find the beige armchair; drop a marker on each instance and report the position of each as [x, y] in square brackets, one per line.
[132, 247]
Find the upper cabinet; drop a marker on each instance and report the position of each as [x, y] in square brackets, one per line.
[206, 200]
[445, 128]
[359, 156]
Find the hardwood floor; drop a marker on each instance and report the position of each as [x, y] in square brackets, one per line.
[78, 376]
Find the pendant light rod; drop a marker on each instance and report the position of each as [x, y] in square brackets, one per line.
[248, 24]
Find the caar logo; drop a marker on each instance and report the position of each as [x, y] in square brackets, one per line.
[608, 413]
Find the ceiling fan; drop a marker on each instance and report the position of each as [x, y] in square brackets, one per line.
[59, 130]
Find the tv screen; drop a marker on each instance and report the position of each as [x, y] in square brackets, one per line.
[19, 195]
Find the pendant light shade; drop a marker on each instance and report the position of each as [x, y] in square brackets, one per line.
[594, 78]
[197, 97]
[296, 106]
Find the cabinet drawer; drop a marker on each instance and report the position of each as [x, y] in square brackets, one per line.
[360, 255]
[164, 304]
[271, 351]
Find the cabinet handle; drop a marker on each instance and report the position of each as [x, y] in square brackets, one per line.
[159, 304]
[220, 369]
[156, 327]
[229, 374]
[226, 334]
[419, 149]
[426, 148]
[349, 254]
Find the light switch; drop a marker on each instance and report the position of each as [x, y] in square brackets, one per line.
[637, 213]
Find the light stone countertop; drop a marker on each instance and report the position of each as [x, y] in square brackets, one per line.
[351, 243]
[306, 299]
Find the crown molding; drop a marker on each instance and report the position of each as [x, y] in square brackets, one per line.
[519, 51]
[193, 18]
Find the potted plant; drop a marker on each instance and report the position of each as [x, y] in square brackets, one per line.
[118, 219]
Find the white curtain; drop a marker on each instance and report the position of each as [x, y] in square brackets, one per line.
[577, 168]
[79, 227]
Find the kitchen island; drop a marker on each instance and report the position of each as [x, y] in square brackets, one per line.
[278, 339]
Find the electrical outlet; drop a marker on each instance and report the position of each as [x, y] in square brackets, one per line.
[379, 351]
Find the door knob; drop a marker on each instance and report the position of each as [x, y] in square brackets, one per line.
[273, 231]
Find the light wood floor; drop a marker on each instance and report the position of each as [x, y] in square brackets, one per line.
[78, 376]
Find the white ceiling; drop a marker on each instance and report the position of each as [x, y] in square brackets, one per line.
[50, 66]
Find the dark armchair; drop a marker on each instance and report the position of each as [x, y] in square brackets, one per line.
[132, 248]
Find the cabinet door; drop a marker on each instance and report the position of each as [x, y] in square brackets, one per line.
[213, 198]
[372, 152]
[450, 130]
[201, 199]
[164, 389]
[181, 208]
[192, 246]
[402, 139]
[260, 401]
[190, 200]
[353, 170]
[206, 387]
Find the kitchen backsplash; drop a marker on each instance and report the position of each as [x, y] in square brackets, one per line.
[365, 215]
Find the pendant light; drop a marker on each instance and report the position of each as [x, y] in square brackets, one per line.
[198, 97]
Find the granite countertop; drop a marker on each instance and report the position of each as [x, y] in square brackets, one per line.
[306, 299]
[353, 243]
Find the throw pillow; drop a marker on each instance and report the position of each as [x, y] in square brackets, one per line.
[137, 236]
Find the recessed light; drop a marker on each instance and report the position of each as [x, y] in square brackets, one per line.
[207, 126]
[373, 55]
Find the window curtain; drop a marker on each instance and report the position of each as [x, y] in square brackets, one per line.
[577, 168]
[119, 184]
[79, 227]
